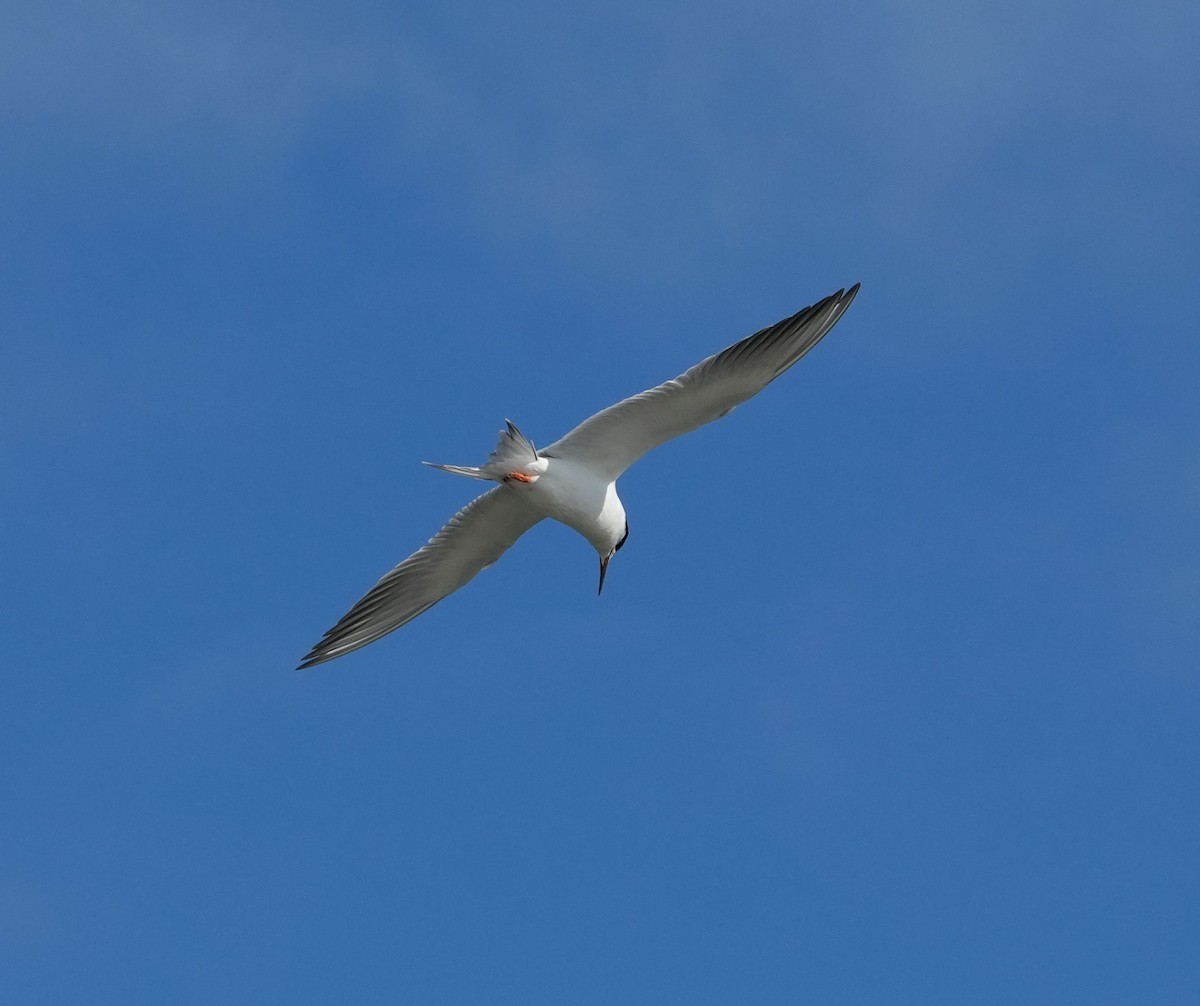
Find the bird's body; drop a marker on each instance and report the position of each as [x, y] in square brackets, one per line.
[577, 496]
[574, 480]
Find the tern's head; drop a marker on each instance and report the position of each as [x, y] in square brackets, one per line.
[606, 555]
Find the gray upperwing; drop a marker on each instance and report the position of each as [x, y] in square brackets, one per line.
[472, 540]
[613, 439]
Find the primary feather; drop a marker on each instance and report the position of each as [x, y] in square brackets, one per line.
[612, 440]
[474, 538]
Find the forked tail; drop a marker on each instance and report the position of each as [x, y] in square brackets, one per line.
[514, 453]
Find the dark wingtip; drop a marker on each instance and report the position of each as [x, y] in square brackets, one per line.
[312, 658]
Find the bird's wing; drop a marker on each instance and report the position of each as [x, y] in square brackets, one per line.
[612, 440]
[474, 538]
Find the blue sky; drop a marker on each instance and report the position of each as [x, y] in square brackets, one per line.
[892, 695]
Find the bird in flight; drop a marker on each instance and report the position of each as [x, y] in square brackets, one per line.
[574, 480]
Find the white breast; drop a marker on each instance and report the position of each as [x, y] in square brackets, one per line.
[580, 498]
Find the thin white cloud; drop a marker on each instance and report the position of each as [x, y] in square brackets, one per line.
[127, 75]
[644, 138]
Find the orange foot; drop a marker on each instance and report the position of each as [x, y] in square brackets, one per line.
[519, 476]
